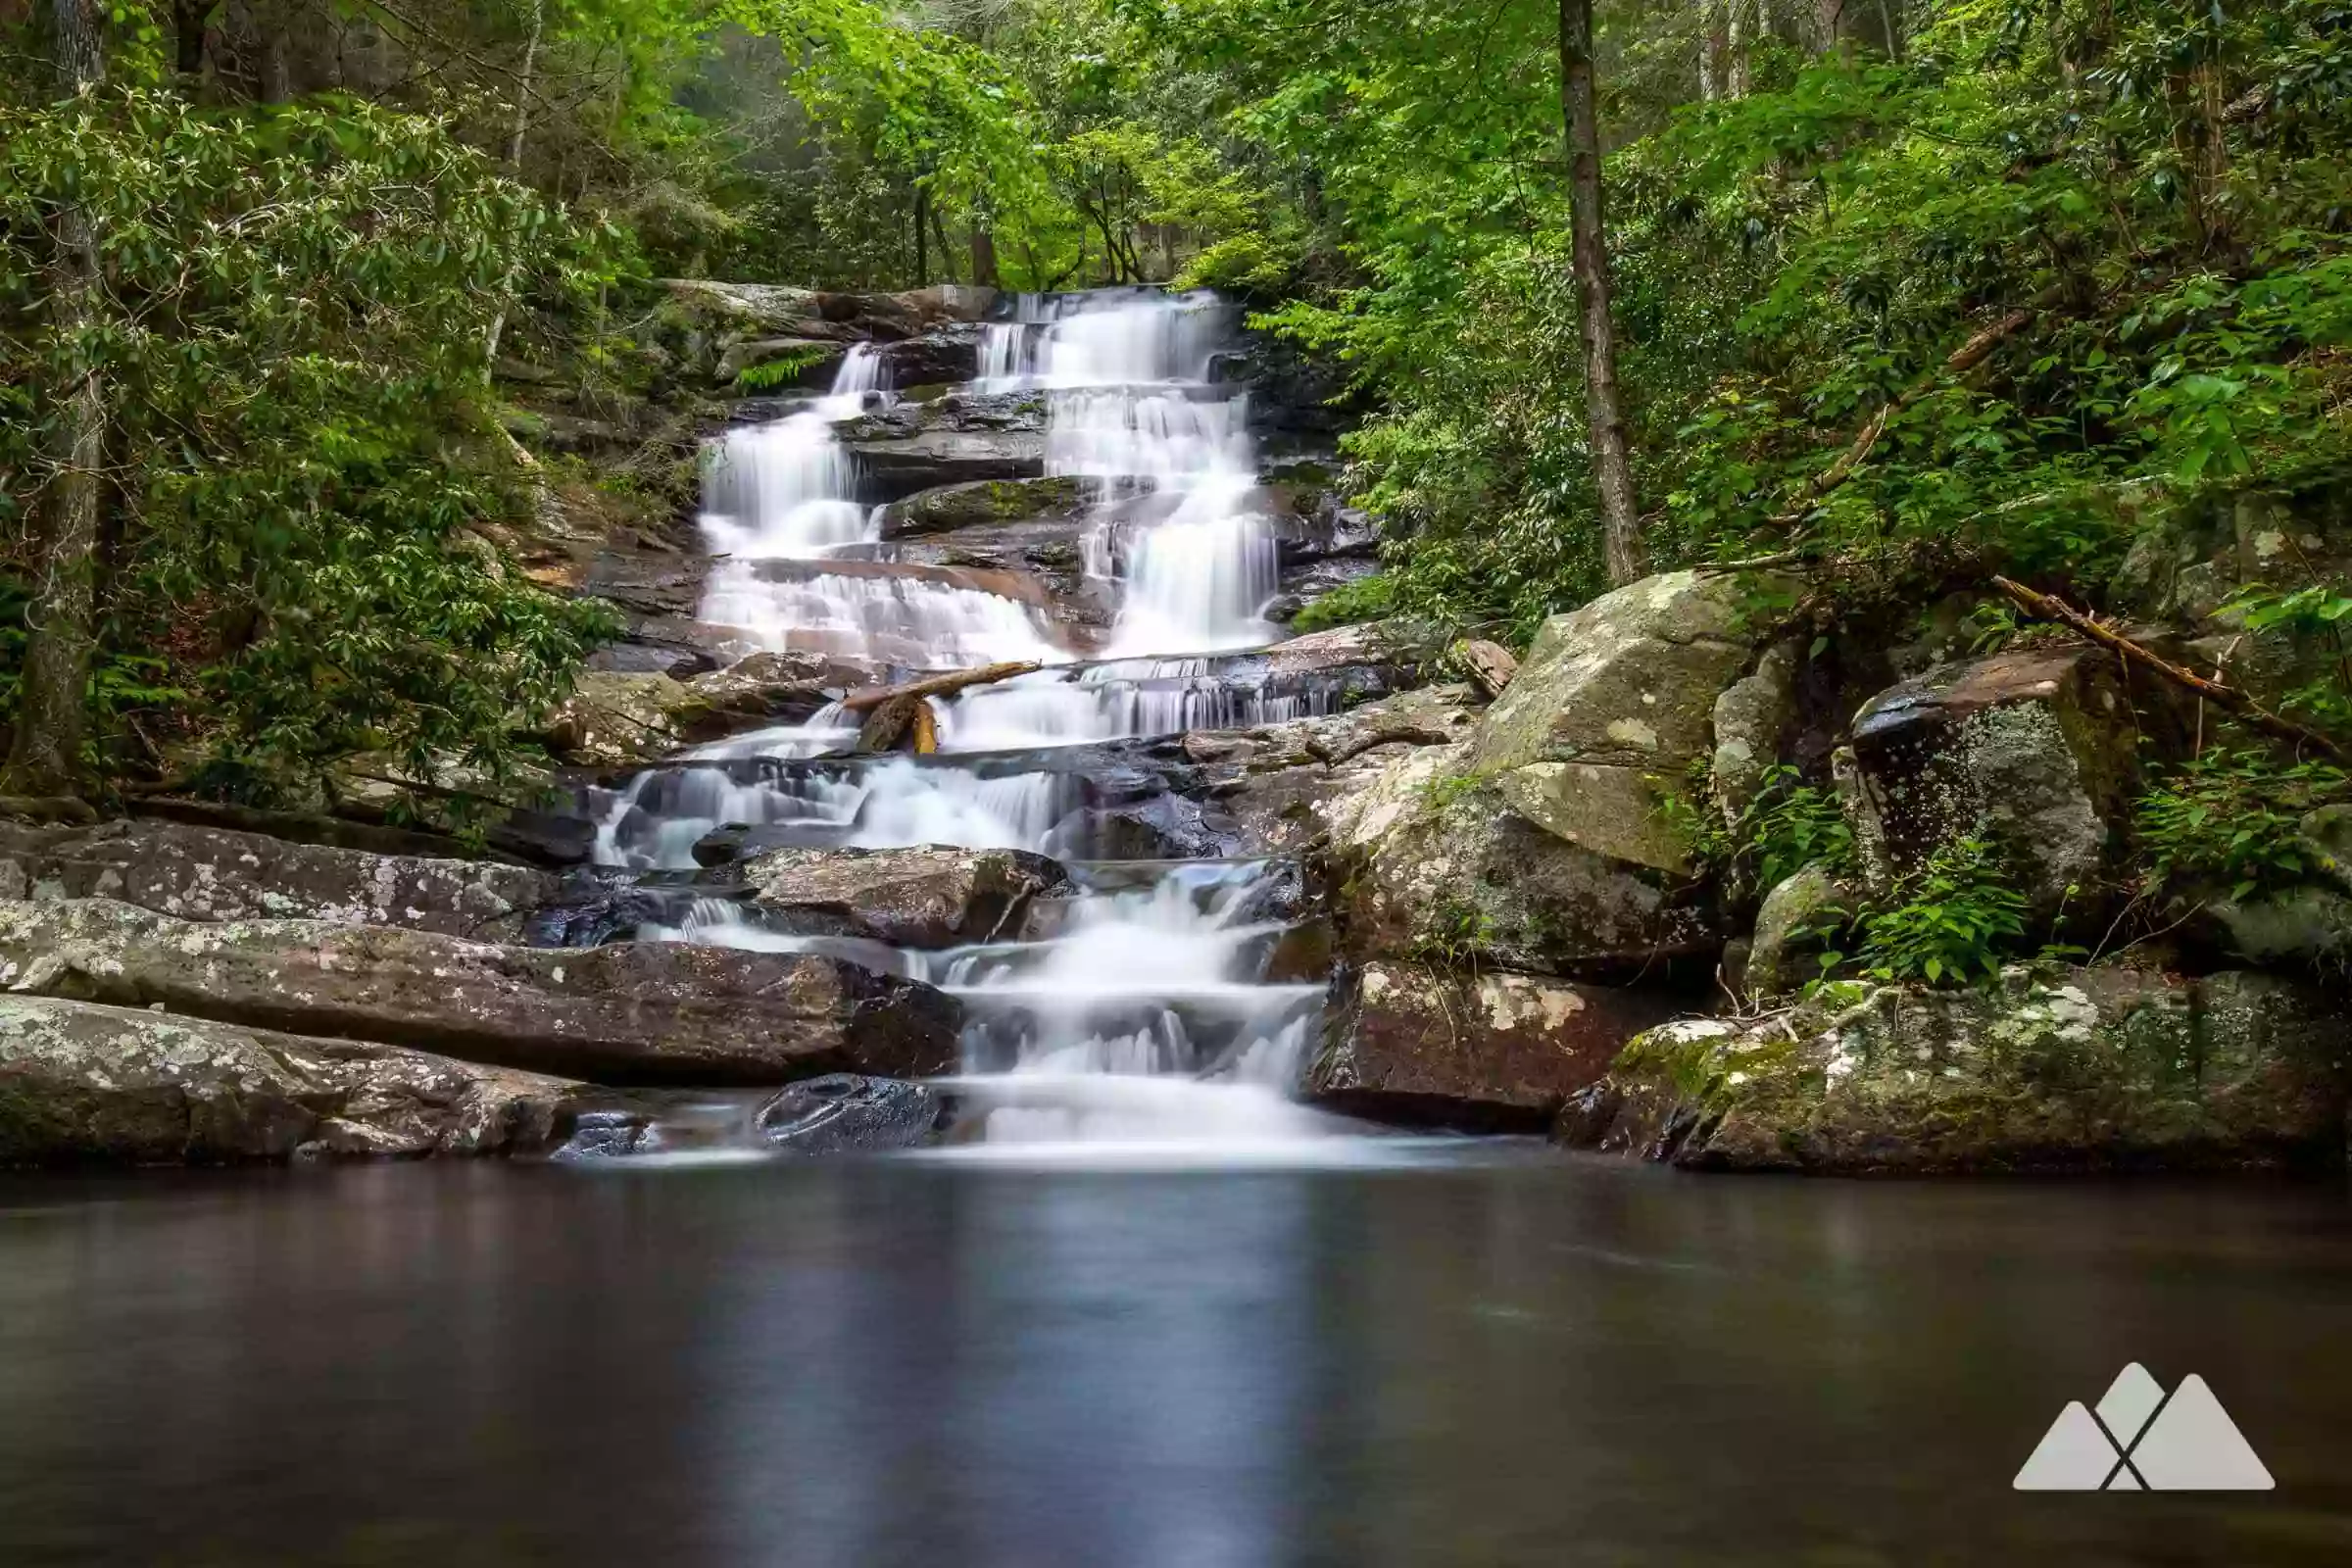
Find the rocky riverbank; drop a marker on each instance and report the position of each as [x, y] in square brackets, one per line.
[1473, 894]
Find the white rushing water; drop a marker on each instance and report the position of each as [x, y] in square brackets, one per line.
[1145, 1024]
[784, 491]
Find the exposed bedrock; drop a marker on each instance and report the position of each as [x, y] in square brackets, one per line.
[630, 1013]
[80, 1083]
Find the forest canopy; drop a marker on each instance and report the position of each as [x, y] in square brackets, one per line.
[1988, 275]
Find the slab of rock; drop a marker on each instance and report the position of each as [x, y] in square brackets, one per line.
[1611, 705]
[895, 467]
[1752, 721]
[1490, 665]
[2037, 745]
[205, 874]
[931, 896]
[97, 1084]
[2055, 1069]
[1481, 1049]
[630, 1013]
[980, 501]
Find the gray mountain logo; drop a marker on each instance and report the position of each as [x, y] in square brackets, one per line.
[2139, 1439]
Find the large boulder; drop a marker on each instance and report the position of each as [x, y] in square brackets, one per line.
[1611, 705]
[1483, 1049]
[1441, 863]
[931, 896]
[81, 1082]
[2039, 746]
[2055, 1069]
[630, 1013]
[205, 873]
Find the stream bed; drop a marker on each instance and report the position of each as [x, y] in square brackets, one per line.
[1441, 1352]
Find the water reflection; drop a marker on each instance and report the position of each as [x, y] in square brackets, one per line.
[1521, 1361]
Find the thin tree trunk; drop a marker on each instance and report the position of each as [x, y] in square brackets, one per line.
[187, 21]
[984, 254]
[922, 238]
[946, 252]
[1737, 76]
[522, 126]
[52, 701]
[1612, 464]
[1707, 12]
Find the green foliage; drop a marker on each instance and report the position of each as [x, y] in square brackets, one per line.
[783, 371]
[1790, 825]
[1372, 598]
[1452, 935]
[1948, 922]
[2232, 819]
[291, 336]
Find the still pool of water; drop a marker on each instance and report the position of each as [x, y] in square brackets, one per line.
[1503, 1358]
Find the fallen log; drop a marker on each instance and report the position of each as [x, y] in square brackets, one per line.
[954, 680]
[2043, 607]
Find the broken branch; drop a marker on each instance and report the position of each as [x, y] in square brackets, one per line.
[954, 680]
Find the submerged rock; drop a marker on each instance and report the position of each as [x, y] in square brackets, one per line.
[81, 1082]
[203, 873]
[628, 1013]
[840, 1114]
[932, 896]
[1483, 1049]
[2055, 1069]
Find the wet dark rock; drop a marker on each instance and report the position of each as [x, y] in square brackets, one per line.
[1481, 1049]
[207, 873]
[944, 354]
[80, 1083]
[888, 469]
[631, 1012]
[930, 895]
[847, 1115]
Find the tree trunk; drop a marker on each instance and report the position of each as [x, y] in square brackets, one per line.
[946, 252]
[1707, 12]
[188, 22]
[984, 254]
[52, 700]
[522, 126]
[1736, 47]
[923, 236]
[1612, 465]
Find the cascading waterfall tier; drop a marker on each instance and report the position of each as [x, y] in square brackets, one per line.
[1150, 1016]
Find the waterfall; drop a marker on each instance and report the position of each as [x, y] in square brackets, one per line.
[784, 491]
[1147, 1014]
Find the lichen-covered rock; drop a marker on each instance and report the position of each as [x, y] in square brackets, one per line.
[612, 719]
[2055, 1069]
[1476, 1048]
[1752, 719]
[203, 873]
[931, 896]
[2039, 745]
[1612, 702]
[630, 1013]
[1438, 863]
[945, 509]
[80, 1083]
[1780, 952]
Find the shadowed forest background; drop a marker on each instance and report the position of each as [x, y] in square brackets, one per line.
[1919, 288]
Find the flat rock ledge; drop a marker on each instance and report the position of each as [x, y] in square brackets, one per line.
[627, 1014]
[82, 1084]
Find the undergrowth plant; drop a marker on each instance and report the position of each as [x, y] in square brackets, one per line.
[1948, 922]
[2233, 818]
